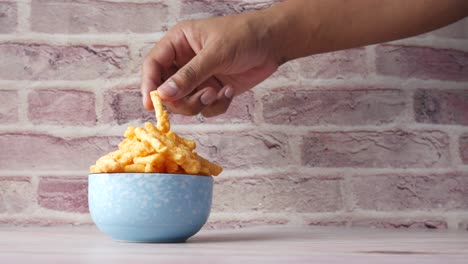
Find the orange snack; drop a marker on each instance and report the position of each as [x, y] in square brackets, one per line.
[155, 149]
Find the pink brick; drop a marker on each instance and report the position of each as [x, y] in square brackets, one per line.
[8, 17]
[298, 106]
[123, 105]
[33, 151]
[243, 223]
[399, 149]
[91, 16]
[334, 65]
[464, 148]
[8, 106]
[244, 149]
[332, 221]
[441, 106]
[285, 71]
[458, 30]
[291, 193]
[69, 194]
[62, 107]
[21, 61]
[241, 110]
[191, 9]
[139, 57]
[422, 62]
[463, 225]
[400, 223]
[401, 192]
[45, 220]
[16, 194]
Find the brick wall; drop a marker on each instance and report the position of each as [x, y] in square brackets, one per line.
[373, 136]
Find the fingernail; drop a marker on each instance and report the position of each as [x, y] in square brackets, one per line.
[207, 98]
[229, 93]
[169, 89]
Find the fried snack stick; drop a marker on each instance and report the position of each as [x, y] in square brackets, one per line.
[143, 136]
[155, 149]
[134, 168]
[107, 163]
[207, 166]
[189, 162]
[180, 140]
[162, 116]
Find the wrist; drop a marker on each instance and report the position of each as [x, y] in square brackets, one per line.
[292, 33]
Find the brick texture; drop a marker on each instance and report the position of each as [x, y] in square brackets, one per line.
[458, 30]
[93, 16]
[400, 223]
[32, 151]
[463, 225]
[139, 57]
[422, 62]
[123, 105]
[245, 149]
[68, 194]
[297, 106]
[191, 9]
[334, 65]
[62, 107]
[22, 61]
[278, 193]
[408, 192]
[464, 148]
[8, 17]
[441, 106]
[286, 71]
[16, 194]
[398, 149]
[240, 111]
[242, 223]
[8, 106]
[365, 137]
[332, 221]
[43, 221]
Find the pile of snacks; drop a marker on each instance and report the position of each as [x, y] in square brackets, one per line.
[155, 149]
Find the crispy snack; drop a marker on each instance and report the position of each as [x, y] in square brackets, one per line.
[155, 149]
[161, 115]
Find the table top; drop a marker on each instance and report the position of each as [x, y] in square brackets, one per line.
[249, 245]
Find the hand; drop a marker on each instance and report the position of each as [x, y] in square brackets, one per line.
[198, 66]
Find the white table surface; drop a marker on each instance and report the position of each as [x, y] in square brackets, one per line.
[250, 245]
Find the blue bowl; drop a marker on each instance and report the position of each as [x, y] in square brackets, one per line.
[149, 207]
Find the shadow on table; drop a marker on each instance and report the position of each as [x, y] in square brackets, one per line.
[239, 237]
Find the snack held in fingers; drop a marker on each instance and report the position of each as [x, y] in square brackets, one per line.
[155, 149]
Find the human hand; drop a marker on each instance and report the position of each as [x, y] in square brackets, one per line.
[198, 66]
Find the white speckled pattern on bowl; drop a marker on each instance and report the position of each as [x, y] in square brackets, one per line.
[149, 207]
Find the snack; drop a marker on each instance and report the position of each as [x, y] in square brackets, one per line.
[155, 149]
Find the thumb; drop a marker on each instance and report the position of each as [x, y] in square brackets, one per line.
[186, 79]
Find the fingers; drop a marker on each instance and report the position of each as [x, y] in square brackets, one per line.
[194, 104]
[201, 97]
[160, 58]
[151, 76]
[209, 101]
[222, 103]
[191, 75]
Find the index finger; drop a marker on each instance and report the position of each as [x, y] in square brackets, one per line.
[161, 56]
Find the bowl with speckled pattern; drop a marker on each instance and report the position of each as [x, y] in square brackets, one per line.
[149, 207]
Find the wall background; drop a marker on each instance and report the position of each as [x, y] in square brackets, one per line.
[374, 136]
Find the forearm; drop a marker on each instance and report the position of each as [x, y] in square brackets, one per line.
[304, 27]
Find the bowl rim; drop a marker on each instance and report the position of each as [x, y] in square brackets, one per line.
[149, 174]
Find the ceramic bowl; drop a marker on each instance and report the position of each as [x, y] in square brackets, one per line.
[149, 207]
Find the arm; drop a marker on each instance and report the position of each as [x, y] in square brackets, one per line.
[326, 25]
[198, 66]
